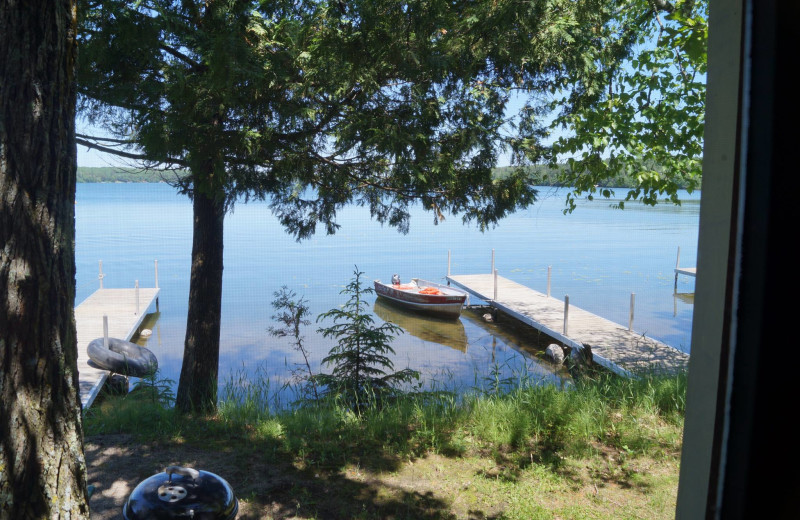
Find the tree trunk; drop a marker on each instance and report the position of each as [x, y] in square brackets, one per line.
[42, 469]
[197, 388]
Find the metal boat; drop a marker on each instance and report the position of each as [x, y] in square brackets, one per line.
[424, 296]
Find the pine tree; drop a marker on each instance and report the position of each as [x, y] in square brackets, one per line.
[362, 369]
[42, 467]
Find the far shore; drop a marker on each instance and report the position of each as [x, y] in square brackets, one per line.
[122, 175]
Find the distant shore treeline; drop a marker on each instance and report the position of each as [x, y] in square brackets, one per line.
[117, 174]
[547, 176]
[541, 175]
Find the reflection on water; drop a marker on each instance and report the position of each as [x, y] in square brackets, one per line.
[449, 333]
[687, 298]
[525, 338]
[150, 321]
[506, 345]
[515, 342]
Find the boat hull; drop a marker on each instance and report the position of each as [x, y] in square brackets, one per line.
[445, 305]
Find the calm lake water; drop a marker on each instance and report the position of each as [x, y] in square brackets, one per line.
[599, 256]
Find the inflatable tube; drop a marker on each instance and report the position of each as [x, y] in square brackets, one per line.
[122, 357]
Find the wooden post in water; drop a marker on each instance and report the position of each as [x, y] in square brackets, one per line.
[495, 284]
[677, 266]
[630, 318]
[549, 274]
[105, 331]
[156, 262]
[100, 276]
[566, 312]
[448, 262]
[136, 286]
[492, 261]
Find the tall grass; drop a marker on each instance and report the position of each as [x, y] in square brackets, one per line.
[643, 413]
[635, 415]
[147, 410]
[247, 400]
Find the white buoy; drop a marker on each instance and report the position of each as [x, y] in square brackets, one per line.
[146, 333]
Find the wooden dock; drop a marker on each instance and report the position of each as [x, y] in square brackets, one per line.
[686, 271]
[125, 308]
[613, 346]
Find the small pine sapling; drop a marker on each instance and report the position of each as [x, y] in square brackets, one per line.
[362, 369]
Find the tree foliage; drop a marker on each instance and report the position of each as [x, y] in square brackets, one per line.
[370, 102]
[316, 104]
[646, 123]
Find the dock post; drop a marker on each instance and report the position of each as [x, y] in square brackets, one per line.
[448, 262]
[492, 261]
[156, 262]
[677, 266]
[136, 286]
[100, 276]
[105, 331]
[630, 318]
[495, 285]
[566, 312]
[549, 274]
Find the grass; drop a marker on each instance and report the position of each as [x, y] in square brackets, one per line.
[604, 447]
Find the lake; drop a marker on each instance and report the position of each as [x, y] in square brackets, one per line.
[599, 256]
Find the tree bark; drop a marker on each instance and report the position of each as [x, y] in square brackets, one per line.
[42, 469]
[197, 387]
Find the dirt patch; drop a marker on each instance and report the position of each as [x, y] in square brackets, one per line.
[433, 487]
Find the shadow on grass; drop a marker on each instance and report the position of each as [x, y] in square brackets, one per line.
[267, 483]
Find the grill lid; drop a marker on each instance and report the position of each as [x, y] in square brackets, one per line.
[182, 493]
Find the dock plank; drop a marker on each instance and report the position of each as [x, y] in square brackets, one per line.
[123, 320]
[612, 345]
